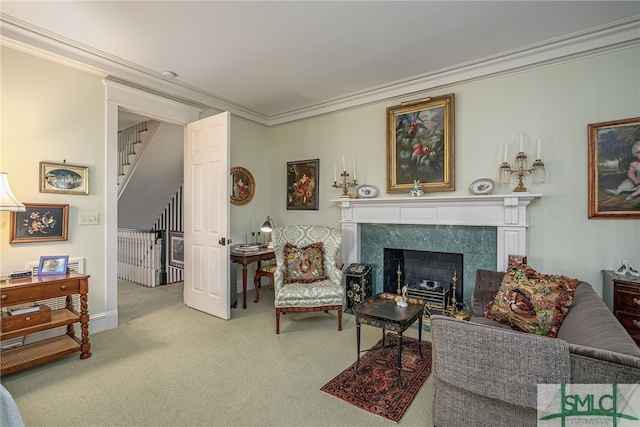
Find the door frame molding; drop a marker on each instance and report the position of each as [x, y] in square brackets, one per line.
[155, 107]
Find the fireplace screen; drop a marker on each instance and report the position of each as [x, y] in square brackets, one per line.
[429, 275]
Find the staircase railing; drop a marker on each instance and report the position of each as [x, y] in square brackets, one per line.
[132, 142]
[141, 257]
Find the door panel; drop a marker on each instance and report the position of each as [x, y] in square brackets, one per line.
[206, 206]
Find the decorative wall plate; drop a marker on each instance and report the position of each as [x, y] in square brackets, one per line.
[367, 191]
[481, 186]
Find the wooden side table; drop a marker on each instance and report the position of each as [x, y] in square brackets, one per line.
[626, 301]
[39, 288]
[246, 259]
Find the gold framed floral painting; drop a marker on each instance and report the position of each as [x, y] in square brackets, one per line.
[40, 222]
[420, 145]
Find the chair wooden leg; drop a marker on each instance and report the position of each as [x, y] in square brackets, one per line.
[339, 319]
[277, 321]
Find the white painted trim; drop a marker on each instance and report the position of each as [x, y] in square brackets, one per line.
[28, 38]
[506, 212]
[150, 105]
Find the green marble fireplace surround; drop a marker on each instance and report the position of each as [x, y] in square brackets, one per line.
[478, 246]
[484, 230]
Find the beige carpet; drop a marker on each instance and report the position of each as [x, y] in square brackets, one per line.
[169, 365]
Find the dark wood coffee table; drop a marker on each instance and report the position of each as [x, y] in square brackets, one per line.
[382, 312]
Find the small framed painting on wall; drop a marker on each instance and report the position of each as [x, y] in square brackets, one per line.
[65, 179]
[302, 188]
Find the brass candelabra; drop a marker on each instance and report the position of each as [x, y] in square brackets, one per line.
[345, 183]
[537, 171]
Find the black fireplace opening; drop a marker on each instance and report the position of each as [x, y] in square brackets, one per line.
[423, 270]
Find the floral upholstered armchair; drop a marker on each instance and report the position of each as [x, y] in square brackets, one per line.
[306, 276]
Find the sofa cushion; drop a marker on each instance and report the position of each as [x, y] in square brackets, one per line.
[590, 324]
[304, 265]
[532, 302]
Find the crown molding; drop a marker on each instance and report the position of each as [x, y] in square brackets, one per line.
[38, 42]
[597, 41]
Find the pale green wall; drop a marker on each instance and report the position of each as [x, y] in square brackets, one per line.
[556, 102]
[51, 112]
[54, 113]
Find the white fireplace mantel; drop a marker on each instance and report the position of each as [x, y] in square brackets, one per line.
[507, 212]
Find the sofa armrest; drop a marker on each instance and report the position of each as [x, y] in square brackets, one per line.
[497, 363]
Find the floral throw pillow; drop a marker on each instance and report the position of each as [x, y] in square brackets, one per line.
[532, 302]
[304, 265]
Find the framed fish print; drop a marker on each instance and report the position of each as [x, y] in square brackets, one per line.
[64, 178]
[420, 145]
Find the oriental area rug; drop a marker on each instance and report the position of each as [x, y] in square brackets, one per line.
[374, 386]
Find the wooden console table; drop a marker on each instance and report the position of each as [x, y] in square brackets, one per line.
[245, 260]
[38, 288]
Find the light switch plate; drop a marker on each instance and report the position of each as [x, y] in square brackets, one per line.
[89, 219]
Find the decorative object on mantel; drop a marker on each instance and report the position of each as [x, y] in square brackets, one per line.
[420, 145]
[416, 192]
[345, 183]
[481, 186]
[243, 186]
[537, 171]
[367, 191]
[302, 185]
[614, 169]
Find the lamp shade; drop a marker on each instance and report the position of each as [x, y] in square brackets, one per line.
[267, 227]
[8, 202]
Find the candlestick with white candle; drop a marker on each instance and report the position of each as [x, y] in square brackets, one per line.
[539, 144]
[344, 165]
[506, 145]
[335, 174]
[354, 171]
[521, 138]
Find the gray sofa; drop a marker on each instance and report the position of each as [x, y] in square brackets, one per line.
[486, 374]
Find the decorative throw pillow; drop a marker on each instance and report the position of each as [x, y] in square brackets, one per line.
[304, 265]
[532, 302]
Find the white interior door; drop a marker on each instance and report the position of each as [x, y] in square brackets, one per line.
[206, 215]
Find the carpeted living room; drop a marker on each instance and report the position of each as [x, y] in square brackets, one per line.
[478, 158]
[168, 365]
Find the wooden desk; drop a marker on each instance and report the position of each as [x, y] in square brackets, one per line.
[245, 260]
[37, 288]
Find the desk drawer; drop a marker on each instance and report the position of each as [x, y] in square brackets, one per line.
[631, 322]
[627, 297]
[20, 321]
[39, 291]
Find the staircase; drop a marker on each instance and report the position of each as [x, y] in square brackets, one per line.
[131, 143]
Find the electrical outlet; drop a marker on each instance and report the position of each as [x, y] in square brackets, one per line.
[89, 219]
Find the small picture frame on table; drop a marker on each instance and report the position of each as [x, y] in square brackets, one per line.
[53, 264]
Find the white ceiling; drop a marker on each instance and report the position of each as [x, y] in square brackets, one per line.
[271, 59]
